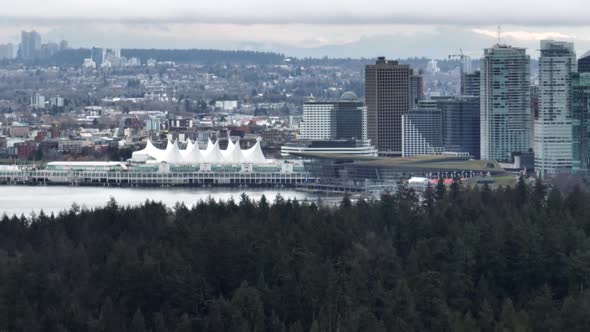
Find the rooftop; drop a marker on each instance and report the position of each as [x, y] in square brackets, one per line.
[428, 161]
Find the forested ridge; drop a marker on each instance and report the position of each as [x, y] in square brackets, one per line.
[463, 259]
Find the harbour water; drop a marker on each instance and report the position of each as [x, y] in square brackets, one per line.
[53, 199]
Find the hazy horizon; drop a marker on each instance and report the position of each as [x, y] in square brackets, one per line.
[331, 28]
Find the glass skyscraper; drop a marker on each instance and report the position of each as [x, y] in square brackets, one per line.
[584, 63]
[460, 121]
[470, 84]
[580, 104]
[505, 103]
[553, 127]
[30, 45]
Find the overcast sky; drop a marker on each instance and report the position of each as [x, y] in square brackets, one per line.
[338, 28]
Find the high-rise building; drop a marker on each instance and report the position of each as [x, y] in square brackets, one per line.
[333, 120]
[416, 89]
[350, 117]
[30, 45]
[387, 96]
[505, 103]
[63, 45]
[38, 101]
[460, 124]
[470, 83]
[584, 63]
[337, 127]
[553, 127]
[48, 50]
[580, 106]
[319, 121]
[6, 51]
[97, 56]
[422, 133]
[534, 111]
[56, 101]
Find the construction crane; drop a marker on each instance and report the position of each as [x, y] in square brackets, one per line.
[464, 67]
[465, 61]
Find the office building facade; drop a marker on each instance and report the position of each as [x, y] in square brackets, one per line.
[97, 55]
[505, 125]
[319, 121]
[387, 97]
[340, 120]
[48, 50]
[422, 133]
[580, 106]
[38, 101]
[470, 84]
[30, 45]
[584, 63]
[553, 127]
[534, 111]
[6, 51]
[416, 89]
[460, 124]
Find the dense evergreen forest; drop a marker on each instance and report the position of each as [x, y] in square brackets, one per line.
[462, 259]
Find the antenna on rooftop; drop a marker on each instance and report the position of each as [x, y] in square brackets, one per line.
[499, 33]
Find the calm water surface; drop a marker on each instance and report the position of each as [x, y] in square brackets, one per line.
[27, 199]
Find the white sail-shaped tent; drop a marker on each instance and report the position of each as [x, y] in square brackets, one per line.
[187, 150]
[228, 150]
[235, 155]
[213, 153]
[254, 154]
[193, 155]
[149, 151]
[172, 154]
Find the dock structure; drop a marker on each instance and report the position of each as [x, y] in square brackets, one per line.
[147, 179]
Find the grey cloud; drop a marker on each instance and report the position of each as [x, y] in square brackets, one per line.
[533, 20]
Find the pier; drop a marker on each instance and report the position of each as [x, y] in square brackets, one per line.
[153, 179]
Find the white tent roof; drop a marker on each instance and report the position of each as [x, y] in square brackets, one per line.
[172, 154]
[254, 154]
[229, 149]
[189, 147]
[235, 155]
[193, 155]
[213, 153]
[149, 150]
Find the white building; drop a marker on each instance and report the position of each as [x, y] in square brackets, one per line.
[227, 105]
[56, 101]
[38, 101]
[432, 67]
[153, 124]
[318, 121]
[133, 62]
[553, 128]
[89, 63]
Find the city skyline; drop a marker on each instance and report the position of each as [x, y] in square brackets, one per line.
[344, 28]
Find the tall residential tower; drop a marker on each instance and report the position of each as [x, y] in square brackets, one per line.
[505, 103]
[553, 127]
[580, 108]
[30, 45]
